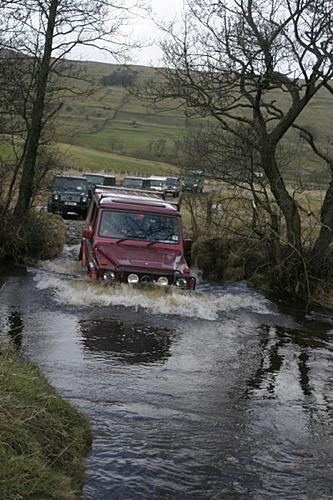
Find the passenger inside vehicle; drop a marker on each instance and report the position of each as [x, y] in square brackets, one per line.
[139, 226]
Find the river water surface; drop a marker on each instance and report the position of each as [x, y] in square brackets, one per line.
[217, 394]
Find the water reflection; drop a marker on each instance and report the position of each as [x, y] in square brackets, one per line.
[278, 348]
[128, 342]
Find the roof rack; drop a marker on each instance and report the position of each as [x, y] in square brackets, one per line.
[144, 193]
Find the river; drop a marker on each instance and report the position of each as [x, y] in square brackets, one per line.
[216, 394]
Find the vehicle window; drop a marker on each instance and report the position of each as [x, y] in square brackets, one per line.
[171, 181]
[156, 183]
[139, 226]
[94, 179]
[109, 181]
[67, 184]
[132, 183]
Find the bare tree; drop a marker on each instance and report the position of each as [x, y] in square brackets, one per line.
[45, 32]
[256, 64]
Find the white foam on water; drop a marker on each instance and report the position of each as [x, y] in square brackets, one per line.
[68, 267]
[65, 266]
[157, 300]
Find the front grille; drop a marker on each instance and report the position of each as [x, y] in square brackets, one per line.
[71, 198]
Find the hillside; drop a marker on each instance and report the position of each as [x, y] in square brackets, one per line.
[111, 130]
[112, 121]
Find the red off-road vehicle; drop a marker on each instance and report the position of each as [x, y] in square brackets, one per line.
[135, 237]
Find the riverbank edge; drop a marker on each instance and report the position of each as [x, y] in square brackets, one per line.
[43, 439]
[234, 259]
[35, 236]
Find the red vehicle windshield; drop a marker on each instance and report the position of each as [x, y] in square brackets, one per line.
[139, 226]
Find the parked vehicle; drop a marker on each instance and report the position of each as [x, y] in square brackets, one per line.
[69, 194]
[173, 186]
[136, 182]
[193, 181]
[158, 184]
[98, 180]
[135, 238]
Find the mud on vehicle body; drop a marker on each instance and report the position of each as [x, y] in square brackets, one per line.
[136, 238]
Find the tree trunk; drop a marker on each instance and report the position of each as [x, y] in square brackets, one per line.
[325, 237]
[285, 202]
[34, 132]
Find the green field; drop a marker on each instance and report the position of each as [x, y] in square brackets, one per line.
[84, 159]
[112, 121]
[111, 130]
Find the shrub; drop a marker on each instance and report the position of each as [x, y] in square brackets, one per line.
[34, 237]
[230, 258]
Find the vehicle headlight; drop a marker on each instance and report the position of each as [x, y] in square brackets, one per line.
[109, 276]
[163, 281]
[181, 282]
[56, 197]
[132, 279]
[84, 199]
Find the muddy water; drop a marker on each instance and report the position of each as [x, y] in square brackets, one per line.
[212, 395]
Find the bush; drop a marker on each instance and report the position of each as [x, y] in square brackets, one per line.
[34, 237]
[230, 258]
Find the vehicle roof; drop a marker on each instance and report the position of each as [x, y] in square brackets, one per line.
[70, 177]
[172, 177]
[134, 177]
[98, 174]
[135, 202]
[157, 177]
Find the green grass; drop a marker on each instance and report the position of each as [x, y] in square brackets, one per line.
[104, 121]
[87, 159]
[43, 439]
[6, 151]
[111, 121]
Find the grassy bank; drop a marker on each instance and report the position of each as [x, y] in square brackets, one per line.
[86, 159]
[43, 439]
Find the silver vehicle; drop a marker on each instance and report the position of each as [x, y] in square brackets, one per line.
[158, 184]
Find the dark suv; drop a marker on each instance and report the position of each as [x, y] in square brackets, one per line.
[69, 194]
[98, 180]
[136, 182]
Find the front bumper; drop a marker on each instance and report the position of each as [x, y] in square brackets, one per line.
[182, 281]
[63, 207]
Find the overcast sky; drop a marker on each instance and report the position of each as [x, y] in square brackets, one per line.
[144, 30]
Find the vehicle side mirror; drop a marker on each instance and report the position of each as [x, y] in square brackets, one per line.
[87, 233]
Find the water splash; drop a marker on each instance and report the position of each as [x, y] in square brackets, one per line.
[158, 300]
